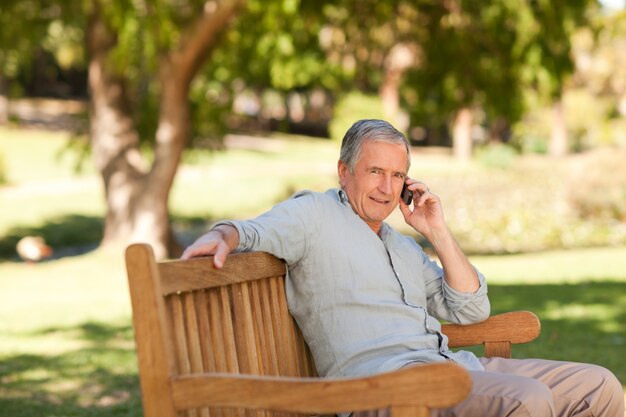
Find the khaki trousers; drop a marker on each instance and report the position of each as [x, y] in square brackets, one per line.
[537, 388]
[540, 388]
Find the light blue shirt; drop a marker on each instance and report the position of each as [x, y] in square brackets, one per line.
[365, 303]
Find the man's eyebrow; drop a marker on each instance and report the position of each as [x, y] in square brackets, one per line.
[403, 173]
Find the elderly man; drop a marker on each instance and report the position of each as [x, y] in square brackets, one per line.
[368, 299]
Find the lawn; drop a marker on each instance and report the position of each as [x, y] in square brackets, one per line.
[67, 341]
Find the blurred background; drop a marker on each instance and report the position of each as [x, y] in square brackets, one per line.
[147, 120]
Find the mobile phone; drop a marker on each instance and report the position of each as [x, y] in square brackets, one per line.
[406, 195]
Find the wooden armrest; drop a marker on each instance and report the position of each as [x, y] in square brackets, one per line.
[432, 385]
[497, 333]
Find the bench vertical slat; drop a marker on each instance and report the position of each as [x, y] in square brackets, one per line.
[217, 339]
[229, 357]
[193, 341]
[295, 341]
[192, 333]
[267, 328]
[230, 360]
[244, 333]
[220, 338]
[257, 329]
[280, 330]
[259, 336]
[205, 338]
[202, 337]
[193, 324]
[178, 331]
[180, 340]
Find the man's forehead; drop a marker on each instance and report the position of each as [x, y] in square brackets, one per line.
[383, 154]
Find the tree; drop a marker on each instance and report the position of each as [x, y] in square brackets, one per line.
[24, 24]
[484, 55]
[174, 40]
[139, 53]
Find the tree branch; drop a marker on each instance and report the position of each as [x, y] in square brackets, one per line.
[202, 36]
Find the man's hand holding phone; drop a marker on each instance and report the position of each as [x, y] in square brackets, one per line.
[427, 213]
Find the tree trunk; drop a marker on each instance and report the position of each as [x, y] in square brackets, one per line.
[136, 200]
[400, 58]
[137, 197]
[462, 134]
[558, 135]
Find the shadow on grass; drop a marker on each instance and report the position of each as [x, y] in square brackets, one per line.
[68, 235]
[584, 322]
[75, 234]
[99, 379]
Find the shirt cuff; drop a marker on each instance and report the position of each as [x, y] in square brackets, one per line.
[456, 299]
[243, 240]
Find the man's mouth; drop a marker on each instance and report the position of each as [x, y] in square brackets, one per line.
[379, 201]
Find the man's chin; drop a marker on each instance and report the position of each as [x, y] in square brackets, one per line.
[378, 216]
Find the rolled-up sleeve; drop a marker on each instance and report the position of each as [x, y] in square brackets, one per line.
[447, 303]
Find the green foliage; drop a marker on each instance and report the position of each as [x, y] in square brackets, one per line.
[485, 54]
[354, 106]
[31, 25]
[277, 46]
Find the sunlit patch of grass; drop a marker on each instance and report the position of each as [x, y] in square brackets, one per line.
[31, 154]
[566, 266]
[605, 316]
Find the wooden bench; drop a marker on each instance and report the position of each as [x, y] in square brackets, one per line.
[222, 343]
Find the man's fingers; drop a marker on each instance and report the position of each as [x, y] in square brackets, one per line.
[197, 250]
[426, 196]
[221, 252]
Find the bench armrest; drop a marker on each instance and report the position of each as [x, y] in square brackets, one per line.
[497, 333]
[424, 385]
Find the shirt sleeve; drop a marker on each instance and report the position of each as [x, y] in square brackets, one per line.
[280, 231]
[447, 303]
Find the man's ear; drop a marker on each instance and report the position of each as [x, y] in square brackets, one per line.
[342, 171]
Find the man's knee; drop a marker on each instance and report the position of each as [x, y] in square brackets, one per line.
[535, 399]
[609, 391]
[510, 396]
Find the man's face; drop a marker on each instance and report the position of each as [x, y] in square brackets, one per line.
[375, 185]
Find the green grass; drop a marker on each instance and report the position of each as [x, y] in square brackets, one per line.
[66, 341]
[579, 295]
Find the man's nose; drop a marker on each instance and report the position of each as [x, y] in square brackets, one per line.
[385, 185]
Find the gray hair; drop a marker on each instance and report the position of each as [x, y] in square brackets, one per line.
[369, 130]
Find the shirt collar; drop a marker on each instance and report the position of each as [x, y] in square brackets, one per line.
[343, 198]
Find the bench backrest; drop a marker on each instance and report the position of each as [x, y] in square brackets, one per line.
[232, 320]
